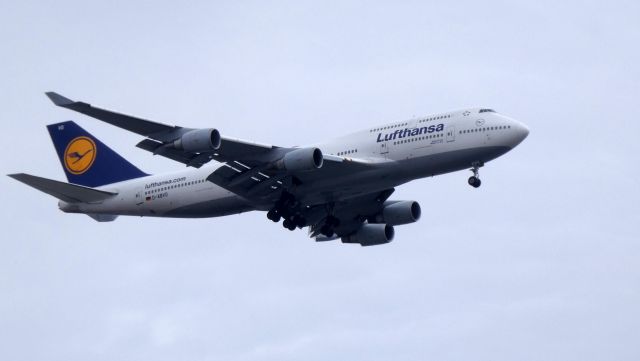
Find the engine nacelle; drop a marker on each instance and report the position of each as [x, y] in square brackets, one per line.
[199, 140]
[371, 235]
[301, 160]
[396, 213]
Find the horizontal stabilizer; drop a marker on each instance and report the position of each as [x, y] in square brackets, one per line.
[67, 192]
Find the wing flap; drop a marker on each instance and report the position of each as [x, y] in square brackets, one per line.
[253, 184]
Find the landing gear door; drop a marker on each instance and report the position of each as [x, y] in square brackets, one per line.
[451, 133]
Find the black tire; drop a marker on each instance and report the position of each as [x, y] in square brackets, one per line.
[477, 183]
[472, 181]
[273, 215]
[289, 224]
[332, 221]
[300, 221]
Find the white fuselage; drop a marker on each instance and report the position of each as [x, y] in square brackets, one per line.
[398, 152]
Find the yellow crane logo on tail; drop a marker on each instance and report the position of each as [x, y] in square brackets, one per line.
[79, 155]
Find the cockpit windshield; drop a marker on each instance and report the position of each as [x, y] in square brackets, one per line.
[487, 111]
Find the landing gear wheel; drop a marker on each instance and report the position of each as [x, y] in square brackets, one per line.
[273, 215]
[474, 182]
[289, 224]
[332, 222]
[326, 231]
[299, 221]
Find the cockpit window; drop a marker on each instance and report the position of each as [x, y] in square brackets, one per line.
[487, 111]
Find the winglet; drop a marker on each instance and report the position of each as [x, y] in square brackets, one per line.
[58, 99]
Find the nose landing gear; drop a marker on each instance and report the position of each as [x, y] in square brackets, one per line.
[474, 180]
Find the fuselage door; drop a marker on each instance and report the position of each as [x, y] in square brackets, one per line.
[384, 149]
[139, 197]
[451, 133]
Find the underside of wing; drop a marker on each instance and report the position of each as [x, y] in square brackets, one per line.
[266, 183]
[345, 217]
[367, 219]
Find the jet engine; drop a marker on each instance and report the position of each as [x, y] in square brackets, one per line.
[301, 160]
[396, 213]
[371, 235]
[199, 140]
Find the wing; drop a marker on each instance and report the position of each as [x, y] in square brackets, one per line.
[344, 218]
[260, 183]
[161, 137]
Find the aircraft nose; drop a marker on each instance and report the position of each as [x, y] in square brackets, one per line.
[519, 132]
[523, 131]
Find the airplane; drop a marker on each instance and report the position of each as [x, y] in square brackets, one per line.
[338, 189]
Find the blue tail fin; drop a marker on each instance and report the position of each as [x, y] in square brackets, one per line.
[86, 160]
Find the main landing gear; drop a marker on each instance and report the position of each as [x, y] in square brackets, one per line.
[474, 180]
[329, 224]
[285, 209]
[293, 222]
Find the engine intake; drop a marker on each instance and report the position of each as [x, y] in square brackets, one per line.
[397, 213]
[301, 160]
[199, 140]
[371, 235]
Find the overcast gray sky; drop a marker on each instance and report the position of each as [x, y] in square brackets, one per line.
[540, 263]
